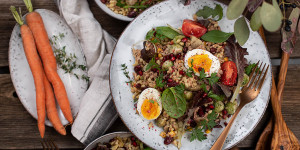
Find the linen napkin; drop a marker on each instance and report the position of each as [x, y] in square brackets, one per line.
[96, 113]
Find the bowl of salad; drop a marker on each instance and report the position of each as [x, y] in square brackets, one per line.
[117, 141]
[175, 76]
[125, 10]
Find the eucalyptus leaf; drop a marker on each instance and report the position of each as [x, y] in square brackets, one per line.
[253, 5]
[236, 8]
[216, 36]
[241, 31]
[270, 17]
[255, 22]
[275, 4]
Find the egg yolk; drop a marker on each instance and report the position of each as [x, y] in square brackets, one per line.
[200, 61]
[150, 109]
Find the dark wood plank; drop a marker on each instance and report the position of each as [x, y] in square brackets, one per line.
[18, 129]
[7, 22]
[290, 107]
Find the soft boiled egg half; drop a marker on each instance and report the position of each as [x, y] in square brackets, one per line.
[149, 104]
[199, 58]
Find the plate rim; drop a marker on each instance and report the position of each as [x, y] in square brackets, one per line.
[238, 141]
[9, 63]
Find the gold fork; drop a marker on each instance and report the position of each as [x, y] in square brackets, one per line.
[49, 145]
[249, 93]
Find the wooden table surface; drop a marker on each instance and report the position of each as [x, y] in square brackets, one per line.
[18, 130]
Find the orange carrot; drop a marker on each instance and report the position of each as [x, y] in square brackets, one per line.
[36, 68]
[51, 108]
[35, 23]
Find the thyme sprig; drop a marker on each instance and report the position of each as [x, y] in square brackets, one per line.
[66, 61]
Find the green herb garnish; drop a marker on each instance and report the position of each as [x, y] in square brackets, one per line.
[207, 12]
[216, 36]
[152, 101]
[250, 67]
[198, 134]
[202, 74]
[126, 73]
[173, 101]
[152, 64]
[189, 72]
[209, 123]
[213, 79]
[66, 61]
[159, 80]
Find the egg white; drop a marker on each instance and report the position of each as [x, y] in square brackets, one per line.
[215, 66]
[149, 93]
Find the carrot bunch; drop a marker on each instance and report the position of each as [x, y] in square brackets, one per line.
[42, 62]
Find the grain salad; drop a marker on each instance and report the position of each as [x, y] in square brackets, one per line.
[129, 8]
[186, 80]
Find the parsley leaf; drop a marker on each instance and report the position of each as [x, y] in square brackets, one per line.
[152, 64]
[159, 80]
[213, 79]
[203, 87]
[189, 72]
[202, 74]
[152, 101]
[207, 11]
[210, 122]
[249, 68]
[197, 134]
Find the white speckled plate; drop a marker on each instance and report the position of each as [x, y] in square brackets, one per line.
[105, 138]
[22, 77]
[173, 12]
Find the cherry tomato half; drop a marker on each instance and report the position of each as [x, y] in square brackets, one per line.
[193, 28]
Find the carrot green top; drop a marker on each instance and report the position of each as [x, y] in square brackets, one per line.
[16, 15]
[28, 5]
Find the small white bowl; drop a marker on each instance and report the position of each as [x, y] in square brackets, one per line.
[105, 139]
[111, 13]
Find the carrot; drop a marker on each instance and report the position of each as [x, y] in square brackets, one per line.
[51, 108]
[36, 68]
[35, 23]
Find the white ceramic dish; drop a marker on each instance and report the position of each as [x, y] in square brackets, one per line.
[111, 13]
[173, 12]
[105, 138]
[22, 77]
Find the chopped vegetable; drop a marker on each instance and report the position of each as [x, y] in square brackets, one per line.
[188, 95]
[167, 64]
[219, 106]
[231, 107]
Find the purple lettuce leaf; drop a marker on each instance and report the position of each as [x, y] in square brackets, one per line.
[236, 53]
[289, 38]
